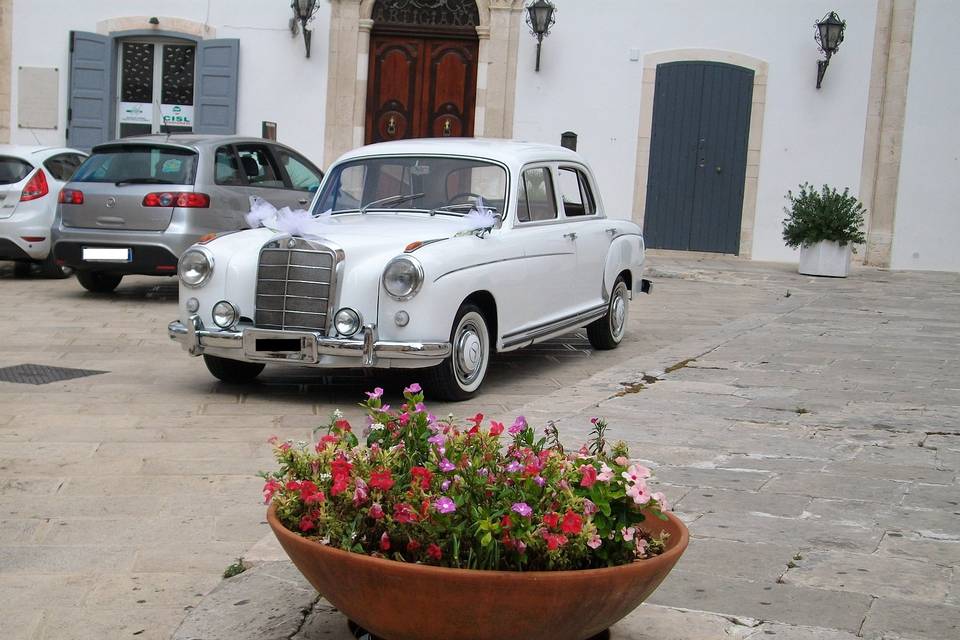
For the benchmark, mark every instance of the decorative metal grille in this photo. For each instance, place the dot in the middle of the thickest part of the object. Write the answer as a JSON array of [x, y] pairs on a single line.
[[177, 74], [42, 374], [295, 286], [137, 72], [427, 13]]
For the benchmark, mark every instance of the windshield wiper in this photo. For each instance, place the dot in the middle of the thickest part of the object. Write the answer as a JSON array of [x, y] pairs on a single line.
[[460, 205], [120, 183], [391, 200]]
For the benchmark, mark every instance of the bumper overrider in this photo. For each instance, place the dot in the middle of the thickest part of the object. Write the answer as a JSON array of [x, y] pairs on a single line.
[[298, 347]]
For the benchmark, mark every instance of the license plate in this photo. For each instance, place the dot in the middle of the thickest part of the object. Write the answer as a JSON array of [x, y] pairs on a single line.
[[290, 346], [107, 254]]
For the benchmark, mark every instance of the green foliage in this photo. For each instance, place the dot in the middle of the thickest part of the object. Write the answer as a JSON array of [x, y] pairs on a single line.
[[822, 215], [235, 569]]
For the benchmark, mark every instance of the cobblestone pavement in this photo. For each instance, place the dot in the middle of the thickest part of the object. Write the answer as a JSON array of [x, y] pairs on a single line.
[[124, 495], [812, 444]]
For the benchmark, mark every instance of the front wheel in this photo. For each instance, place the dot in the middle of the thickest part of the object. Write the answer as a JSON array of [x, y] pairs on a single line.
[[232, 371], [461, 374], [99, 281], [607, 332]]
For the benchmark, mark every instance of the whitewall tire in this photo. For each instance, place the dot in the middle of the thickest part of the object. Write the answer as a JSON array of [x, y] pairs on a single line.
[[462, 373]]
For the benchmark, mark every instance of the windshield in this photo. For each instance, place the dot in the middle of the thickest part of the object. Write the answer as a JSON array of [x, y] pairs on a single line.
[[450, 186], [139, 164]]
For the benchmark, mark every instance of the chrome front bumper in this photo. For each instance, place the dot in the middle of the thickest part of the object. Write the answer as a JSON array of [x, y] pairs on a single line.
[[252, 344]]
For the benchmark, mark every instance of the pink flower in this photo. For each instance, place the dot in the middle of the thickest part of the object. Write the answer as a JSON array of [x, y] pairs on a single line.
[[376, 393], [594, 542], [522, 508], [445, 505], [306, 524], [376, 511], [384, 542], [446, 466], [606, 473], [404, 513], [635, 473], [420, 407], [414, 388], [627, 533], [662, 499], [639, 492], [496, 428], [588, 475], [518, 425], [641, 546], [360, 492], [269, 488], [589, 508]]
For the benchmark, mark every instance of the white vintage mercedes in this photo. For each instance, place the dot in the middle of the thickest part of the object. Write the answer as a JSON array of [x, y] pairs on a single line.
[[425, 254]]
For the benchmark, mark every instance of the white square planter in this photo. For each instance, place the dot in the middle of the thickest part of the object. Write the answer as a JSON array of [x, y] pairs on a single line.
[[825, 258]]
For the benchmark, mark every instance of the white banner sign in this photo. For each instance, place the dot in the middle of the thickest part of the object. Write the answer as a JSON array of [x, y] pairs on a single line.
[[136, 113], [177, 115]]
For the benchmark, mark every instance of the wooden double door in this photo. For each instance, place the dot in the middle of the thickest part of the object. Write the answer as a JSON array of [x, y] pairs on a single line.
[[420, 87]]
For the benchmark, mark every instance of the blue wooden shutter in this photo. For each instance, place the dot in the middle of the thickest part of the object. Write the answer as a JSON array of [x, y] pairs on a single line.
[[216, 92], [88, 118]]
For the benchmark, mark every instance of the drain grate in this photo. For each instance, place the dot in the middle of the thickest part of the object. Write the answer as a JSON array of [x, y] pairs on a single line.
[[42, 374]]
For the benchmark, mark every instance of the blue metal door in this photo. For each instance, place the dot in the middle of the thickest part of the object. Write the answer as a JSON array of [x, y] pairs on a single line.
[[698, 156]]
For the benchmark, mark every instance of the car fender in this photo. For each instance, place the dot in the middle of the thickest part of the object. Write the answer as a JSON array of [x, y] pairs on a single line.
[[626, 253]]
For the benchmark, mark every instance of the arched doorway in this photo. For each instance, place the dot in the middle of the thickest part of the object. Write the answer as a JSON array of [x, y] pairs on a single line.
[[422, 78]]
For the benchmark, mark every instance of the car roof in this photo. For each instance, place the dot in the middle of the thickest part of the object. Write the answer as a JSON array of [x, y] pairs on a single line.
[[34, 152], [513, 153], [195, 141]]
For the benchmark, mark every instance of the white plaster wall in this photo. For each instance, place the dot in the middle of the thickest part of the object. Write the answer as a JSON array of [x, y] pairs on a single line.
[[927, 222], [277, 81], [588, 84]]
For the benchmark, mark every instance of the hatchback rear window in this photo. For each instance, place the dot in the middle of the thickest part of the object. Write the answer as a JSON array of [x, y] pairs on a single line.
[[13, 170], [139, 164]]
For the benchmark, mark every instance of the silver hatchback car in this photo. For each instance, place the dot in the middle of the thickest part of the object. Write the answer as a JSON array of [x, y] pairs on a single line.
[[136, 204]]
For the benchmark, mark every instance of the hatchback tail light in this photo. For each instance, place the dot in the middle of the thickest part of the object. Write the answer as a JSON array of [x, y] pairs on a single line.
[[176, 199], [36, 188], [70, 196]]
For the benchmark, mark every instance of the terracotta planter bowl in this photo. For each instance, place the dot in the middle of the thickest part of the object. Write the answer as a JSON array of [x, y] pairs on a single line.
[[401, 601]]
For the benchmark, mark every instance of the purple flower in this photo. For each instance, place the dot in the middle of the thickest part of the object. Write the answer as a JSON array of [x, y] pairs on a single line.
[[420, 407], [445, 485], [444, 505], [414, 388], [446, 465], [518, 425], [540, 481], [376, 393], [522, 508], [437, 439], [514, 467]]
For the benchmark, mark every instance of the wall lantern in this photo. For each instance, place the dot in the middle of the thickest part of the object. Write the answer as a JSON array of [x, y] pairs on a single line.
[[540, 17], [303, 11], [829, 35]]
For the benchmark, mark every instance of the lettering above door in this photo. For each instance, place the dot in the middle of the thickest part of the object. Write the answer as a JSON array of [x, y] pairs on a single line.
[[420, 87]]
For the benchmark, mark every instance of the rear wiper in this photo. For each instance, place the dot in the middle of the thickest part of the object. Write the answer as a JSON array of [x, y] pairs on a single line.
[[120, 183], [397, 199]]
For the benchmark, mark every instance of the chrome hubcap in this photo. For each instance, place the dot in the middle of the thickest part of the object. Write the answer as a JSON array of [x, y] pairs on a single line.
[[618, 314], [469, 352]]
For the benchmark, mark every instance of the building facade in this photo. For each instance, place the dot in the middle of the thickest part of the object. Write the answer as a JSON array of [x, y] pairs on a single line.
[[697, 115]]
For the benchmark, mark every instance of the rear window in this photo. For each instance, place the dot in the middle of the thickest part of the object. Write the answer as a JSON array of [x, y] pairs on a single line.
[[13, 170], [143, 164]]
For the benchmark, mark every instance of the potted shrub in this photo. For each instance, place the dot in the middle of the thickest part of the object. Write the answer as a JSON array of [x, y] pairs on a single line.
[[436, 530], [825, 224]]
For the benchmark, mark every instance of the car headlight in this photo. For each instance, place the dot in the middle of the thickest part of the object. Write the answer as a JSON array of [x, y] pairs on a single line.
[[225, 314], [346, 321], [195, 266], [403, 277]]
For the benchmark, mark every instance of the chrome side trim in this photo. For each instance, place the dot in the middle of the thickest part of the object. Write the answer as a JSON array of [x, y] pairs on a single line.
[[483, 264], [522, 338]]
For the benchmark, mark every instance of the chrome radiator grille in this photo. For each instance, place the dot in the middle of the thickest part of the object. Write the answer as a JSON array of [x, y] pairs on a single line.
[[294, 286]]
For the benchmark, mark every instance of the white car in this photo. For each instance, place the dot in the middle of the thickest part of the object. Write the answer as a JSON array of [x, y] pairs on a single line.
[[30, 183], [424, 254]]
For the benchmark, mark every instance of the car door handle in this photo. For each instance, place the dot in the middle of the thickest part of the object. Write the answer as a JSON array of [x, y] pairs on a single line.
[[612, 231], [571, 235], [303, 200]]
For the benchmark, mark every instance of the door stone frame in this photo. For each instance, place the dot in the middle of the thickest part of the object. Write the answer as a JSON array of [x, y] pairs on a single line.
[[348, 66], [754, 137]]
